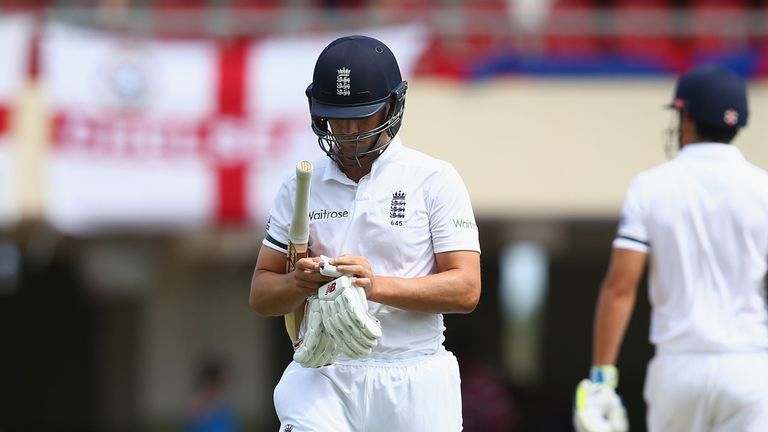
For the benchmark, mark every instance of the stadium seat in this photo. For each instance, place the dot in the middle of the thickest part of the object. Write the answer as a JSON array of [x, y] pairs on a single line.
[[442, 58], [718, 4], [256, 4], [718, 25], [582, 37], [406, 6], [645, 30], [24, 5], [178, 4], [340, 4]]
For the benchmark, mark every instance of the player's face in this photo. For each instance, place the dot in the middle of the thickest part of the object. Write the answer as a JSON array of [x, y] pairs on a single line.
[[352, 137]]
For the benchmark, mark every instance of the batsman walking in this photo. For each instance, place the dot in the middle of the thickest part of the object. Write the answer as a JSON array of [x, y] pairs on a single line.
[[701, 220], [399, 229]]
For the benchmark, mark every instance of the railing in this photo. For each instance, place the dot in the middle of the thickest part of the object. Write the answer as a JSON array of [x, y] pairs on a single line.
[[462, 32], [456, 20]]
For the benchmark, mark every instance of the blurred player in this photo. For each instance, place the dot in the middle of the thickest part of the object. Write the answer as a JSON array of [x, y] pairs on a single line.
[[702, 219], [210, 409], [402, 223]]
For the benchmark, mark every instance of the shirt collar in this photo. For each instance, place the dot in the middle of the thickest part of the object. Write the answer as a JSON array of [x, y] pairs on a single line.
[[707, 151], [333, 172], [390, 154]]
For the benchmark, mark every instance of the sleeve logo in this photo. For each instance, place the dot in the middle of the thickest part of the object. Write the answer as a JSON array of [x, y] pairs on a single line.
[[465, 224]]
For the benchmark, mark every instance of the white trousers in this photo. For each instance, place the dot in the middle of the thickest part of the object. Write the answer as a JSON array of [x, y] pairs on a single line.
[[416, 395], [707, 392]]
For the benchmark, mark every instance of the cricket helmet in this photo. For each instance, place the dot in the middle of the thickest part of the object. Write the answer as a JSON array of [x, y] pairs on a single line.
[[713, 96], [354, 78]]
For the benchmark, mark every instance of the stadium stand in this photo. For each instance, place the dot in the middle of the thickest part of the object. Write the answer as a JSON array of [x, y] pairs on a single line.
[[478, 38]]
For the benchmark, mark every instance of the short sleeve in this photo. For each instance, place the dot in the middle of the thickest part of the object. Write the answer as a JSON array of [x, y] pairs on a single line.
[[632, 233], [280, 218], [451, 219]]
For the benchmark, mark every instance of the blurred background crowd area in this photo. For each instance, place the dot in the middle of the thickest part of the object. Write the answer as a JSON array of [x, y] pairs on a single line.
[[142, 142], [473, 38]]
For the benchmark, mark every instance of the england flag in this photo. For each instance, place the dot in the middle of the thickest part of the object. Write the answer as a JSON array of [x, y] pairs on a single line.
[[173, 134]]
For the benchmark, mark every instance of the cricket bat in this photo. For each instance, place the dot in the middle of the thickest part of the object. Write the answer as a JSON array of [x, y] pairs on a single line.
[[298, 238]]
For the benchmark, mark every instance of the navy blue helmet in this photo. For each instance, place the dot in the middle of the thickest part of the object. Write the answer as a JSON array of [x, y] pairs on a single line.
[[713, 96], [355, 77]]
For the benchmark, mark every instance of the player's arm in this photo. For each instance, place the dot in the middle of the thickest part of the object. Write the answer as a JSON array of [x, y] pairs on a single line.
[[273, 292], [454, 288], [597, 406], [615, 303]]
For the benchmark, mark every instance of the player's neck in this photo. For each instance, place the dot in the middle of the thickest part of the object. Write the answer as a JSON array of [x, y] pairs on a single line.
[[356, 173], [687, 132]]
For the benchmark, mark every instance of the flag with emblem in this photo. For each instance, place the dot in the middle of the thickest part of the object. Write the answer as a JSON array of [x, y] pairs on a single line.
[[191, 133]]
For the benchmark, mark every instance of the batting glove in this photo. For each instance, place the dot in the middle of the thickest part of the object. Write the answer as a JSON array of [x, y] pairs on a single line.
[[328, 269], [346, 318], [597, 407], [316, 348]]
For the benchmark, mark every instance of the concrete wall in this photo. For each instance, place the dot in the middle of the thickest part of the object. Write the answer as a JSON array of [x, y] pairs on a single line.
[[550, 147]]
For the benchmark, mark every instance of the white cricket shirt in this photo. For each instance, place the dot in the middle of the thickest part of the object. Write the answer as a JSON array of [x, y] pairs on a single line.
[[408, 208], [703, 217]]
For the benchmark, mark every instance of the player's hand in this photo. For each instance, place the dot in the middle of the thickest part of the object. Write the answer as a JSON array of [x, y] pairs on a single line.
[[360, 268], [346, 318], [597, 407], [316, 348], [307, 275]]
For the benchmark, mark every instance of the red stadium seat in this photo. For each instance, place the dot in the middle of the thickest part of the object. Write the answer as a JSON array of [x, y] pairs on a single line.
[[24, 5], [256, 4], [442, 58], [718, 25], [497, 6], [718, 4], [484, 25], [340, 4], [645, 28], [582, 37], [179, 4], [406, 6], [414, 10]]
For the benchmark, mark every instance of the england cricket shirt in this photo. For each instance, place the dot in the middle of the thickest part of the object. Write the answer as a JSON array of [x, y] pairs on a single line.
[[408, 208], [703, 218]]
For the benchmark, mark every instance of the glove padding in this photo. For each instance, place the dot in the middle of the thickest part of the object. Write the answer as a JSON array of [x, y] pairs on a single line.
[[316, 348], [327, 269], [598, 408], [346, 318]]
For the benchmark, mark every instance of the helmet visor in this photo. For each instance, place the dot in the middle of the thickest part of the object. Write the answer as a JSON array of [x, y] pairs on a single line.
[[327, 111]]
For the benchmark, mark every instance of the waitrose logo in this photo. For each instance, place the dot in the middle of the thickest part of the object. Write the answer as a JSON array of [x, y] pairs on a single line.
[[465, 224], [327, 214]]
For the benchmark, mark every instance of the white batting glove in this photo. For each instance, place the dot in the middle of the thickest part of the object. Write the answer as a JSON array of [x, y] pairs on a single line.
[[597, 407], [328, 269], [346, 317], [316, 348]]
